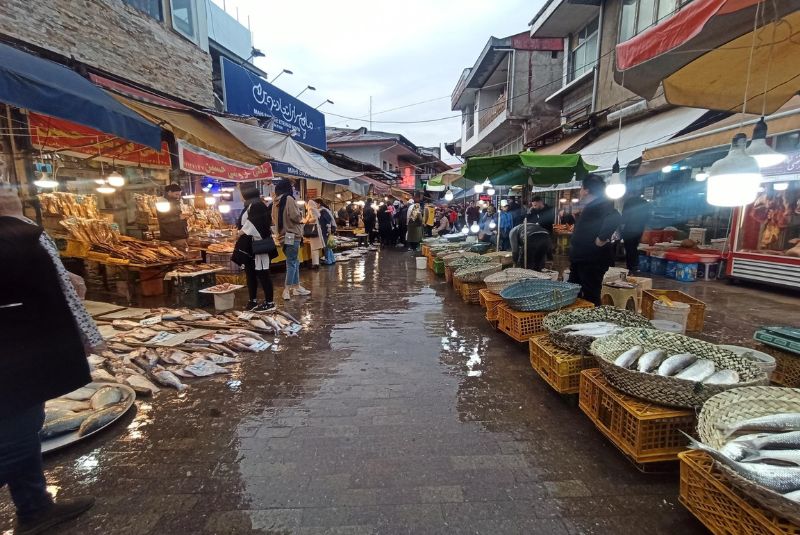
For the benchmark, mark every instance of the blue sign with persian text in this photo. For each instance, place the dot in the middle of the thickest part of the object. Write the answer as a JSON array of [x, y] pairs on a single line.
[[246, 93]]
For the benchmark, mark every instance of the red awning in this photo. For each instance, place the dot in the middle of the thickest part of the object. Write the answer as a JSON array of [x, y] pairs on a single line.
[[202, 162]]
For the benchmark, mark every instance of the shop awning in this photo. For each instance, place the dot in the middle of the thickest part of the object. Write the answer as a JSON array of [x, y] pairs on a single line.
[[34, 83], [378, 187], [719, 134], [195, 128], [526, 168], [634, 138], [199, 161], [282, 147], [564, 145]]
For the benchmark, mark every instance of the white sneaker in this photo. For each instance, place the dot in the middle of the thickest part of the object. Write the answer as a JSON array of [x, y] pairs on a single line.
[[301, 291], [287, 295]]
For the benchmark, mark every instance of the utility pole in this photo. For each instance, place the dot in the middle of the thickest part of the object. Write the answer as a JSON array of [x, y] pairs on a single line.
[[370, 112]]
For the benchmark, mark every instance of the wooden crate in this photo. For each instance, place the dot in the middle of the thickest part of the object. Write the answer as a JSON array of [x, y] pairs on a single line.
[[448, 274], [560, 369], [457, 284], [430, 262], [469, 292], [697, 308], [522, 325], [709, 497], [490, 301], [643, 431], [787, 370]]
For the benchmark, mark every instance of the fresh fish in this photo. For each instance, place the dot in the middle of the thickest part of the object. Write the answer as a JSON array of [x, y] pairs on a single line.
[[675, 364], [651, 360], [224, 349], [54, 413], [286, 315], [203, 368], [241, 347], [142, 362], [81, 394], [776, 441], [125, 325], [259, 324], [734, 451], [794, 495], [141, 385], [626, 359], [100, 419], [774, 423], [723, 377], [273, 324], [251, 334], [167, 378], [220, 359], [700, 370], [102, 376], [95, 361], [601, 331], [68, 404], [105, 396], [174, 356], [589, 325], [780, 479], [783, 457], [63, 425]]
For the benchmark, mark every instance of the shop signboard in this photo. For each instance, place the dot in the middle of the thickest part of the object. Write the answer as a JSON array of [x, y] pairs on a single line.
[[791, 166], [246, 93], [283, 168], [202, 162]]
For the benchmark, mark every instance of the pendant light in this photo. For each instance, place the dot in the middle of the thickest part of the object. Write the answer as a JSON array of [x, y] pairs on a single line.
[[479, 187], [448, 195], [491, 191], [780, 186], [492, 225], [765, 155], [475, 228], [210, 200], [224, 208], [465, 229], [45, 182], [105, 190], [702, 176], [734, 180], [163, 206], [115, 180], [615, 188]]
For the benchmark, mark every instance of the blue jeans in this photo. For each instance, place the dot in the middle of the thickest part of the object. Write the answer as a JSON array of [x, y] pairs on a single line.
[[292, 264], [21, 461], [329, 258]]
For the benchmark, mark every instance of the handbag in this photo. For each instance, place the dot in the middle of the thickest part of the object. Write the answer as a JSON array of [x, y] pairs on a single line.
[[243, 250], [310, 230]]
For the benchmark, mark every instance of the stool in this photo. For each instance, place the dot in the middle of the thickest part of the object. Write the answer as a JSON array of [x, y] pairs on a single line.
[[624, 298], [708, 270], [362, 239]]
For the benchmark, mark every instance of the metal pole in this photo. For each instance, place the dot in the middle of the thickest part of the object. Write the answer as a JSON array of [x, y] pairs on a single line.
[[525, 239]]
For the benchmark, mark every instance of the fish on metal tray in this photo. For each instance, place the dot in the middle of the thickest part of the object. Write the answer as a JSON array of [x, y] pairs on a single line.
[[699, 370], [675, 363], [774, 423], [203, 368], [101, 418], [54, 413], [167, 378], [770, 441], [105, 396], [626, 359], [67, 404], [141, 385], [723, 377], [651, 360], [65, 424], [81, 394]]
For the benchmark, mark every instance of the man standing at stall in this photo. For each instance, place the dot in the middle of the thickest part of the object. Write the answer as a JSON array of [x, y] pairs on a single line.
[[635, 215], [172, 223], [542, 214], [591, 252]]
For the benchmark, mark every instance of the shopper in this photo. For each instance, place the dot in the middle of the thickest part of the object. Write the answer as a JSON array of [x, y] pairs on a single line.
[[385, 225], [539, 245], [36, 293], [635, 216], [428, 217], [473, 213], [313, 233], [542, 214], [505, 226], [370, 219], [591, 252], [327, 225], [414, 233], [402, 224], [488, 225], [255, 221], [172, 224], [290, 236], [341, 216]]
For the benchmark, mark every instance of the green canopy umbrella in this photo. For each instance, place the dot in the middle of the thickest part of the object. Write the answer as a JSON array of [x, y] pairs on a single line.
[[446, 178], [527, 168]]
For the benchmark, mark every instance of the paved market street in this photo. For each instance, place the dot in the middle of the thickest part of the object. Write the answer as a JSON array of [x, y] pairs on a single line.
[[397, 410]]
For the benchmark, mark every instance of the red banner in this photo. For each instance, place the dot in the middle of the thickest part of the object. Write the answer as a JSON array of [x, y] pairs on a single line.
[[49, 133], [202, 162]]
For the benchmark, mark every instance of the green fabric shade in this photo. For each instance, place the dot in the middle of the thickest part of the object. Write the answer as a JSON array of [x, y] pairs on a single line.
[[527, 168]]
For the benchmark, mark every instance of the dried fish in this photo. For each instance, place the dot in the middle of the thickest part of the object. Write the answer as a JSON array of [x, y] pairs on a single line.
[[167, 378], [102, 376], [141, 385], [125, 325], [81, 394]]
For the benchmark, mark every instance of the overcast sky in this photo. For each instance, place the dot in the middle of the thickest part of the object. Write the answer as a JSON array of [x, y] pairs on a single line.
[[399, 53]]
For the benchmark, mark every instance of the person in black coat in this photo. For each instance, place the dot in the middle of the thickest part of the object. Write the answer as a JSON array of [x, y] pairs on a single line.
[[369, 221], [635, 215], [43, 356], [542, 214], [256, 268], [591, 252]]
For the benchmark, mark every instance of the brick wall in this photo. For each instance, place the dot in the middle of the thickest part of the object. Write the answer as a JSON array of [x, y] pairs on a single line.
[[114, 37]]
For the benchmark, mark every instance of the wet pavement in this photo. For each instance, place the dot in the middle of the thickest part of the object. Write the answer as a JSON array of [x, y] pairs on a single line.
[[397, 410]]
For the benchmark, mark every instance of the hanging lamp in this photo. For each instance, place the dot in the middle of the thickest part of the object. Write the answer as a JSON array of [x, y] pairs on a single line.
[[734, 180], [615, 188], [780, 186], [448, 195], [475, 228], [115, 180], [162, 206], [765, 155]]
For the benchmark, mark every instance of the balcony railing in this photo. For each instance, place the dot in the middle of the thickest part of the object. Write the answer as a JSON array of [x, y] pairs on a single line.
[[490, 114], [470, 131]]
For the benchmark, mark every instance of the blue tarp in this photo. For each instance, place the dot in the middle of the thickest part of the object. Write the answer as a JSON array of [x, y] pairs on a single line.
[[34, 83]]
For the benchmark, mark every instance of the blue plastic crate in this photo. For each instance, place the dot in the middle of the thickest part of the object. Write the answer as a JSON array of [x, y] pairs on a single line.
[[672, 267], [658, 266], [686, 272], [644, 263]]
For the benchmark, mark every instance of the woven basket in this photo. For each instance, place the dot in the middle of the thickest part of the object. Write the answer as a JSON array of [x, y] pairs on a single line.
[[500, 281], [455, 237], [741, 404], [504, 258], [463, 262], [533, 295], [670, 391], [450, 257], [581, 344], [480, 247], [477, 273]]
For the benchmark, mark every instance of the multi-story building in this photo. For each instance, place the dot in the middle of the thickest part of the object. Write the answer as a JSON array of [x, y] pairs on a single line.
[[501, 97]]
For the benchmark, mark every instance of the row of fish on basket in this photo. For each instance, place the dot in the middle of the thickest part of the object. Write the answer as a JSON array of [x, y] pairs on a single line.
[[680, 365]]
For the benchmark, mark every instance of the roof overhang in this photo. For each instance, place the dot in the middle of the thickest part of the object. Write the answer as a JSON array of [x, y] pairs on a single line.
[[559, 18], [493, 53]]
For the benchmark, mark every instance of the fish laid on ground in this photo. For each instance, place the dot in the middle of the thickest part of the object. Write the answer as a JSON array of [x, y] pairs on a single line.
[[167, 378], [794, 495], [81, 394], [781, 479], [102, 376], [219, 338], [251, 334], [629, 357], [774, 423], [142, 362], [273, 324], [203, 368], [125, 325], [141, 385], [699, 371], [63, 425], [779, 457], [650, 361], [675, 364], [174, 356], [68, 404], [219, 359], [772, 441], [54, 413], [723, 377], [259, 324], [105, 396], [100, 418]]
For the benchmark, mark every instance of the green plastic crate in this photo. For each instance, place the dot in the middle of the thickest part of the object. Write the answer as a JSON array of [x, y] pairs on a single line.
[[786, 338], [438, 267]]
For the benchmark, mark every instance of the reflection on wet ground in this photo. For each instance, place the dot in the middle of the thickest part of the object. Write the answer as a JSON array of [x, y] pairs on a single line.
[[397, 410]]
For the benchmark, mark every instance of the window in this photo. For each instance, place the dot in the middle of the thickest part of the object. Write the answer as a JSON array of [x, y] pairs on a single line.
[[638, 15], [385, 166], [184, 18], [149, 7], [583, 50]]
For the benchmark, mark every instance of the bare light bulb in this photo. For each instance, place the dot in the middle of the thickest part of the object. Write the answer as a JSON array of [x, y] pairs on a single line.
[[464, 230], [45, 182], [492, 225], [210, 200], [224, 208], [448, 195], [780, 186], [116, 180], [491, 191], [162, 206], [474, 228], [106, 190]]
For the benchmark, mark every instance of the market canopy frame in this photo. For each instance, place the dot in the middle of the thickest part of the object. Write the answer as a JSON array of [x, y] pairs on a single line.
[[527, 168]]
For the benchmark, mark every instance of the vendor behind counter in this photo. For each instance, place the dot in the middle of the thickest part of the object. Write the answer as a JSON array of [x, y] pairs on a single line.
[[172, 223]]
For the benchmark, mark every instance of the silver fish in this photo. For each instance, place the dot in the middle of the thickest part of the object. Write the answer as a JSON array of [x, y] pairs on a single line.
[[794, 495], [626, 359], [776, 441], [102, 376], [68, 404], [675, 364], [81, 394], [723, 377], [63, 425], [780, 479], [106, 396], [203, 368], [775, 423], [589, 325], [54, 413], [100, 419], [698, 371], [651, 360], [141, 385], [783, 457], [167, 378]]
